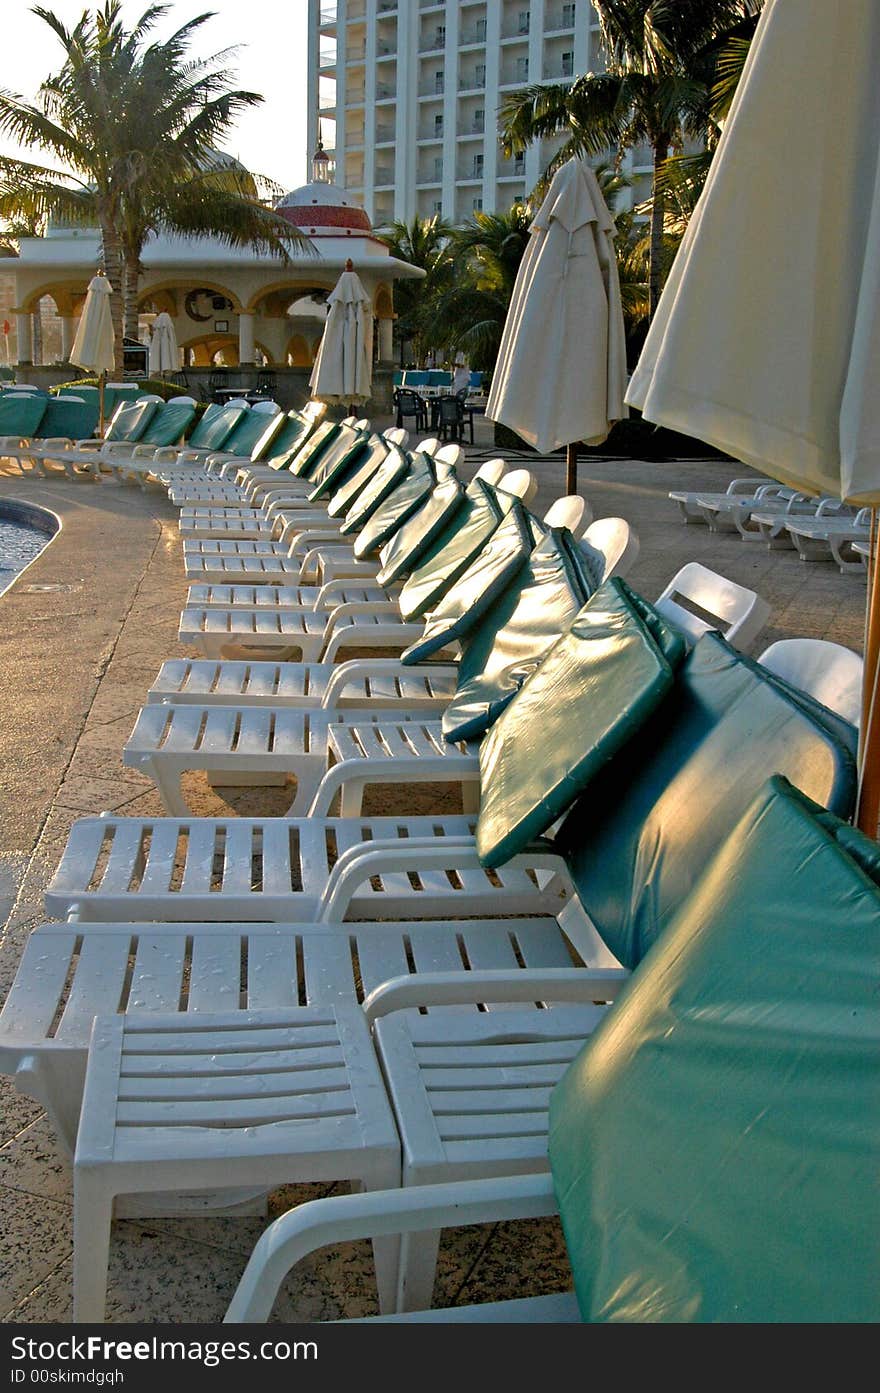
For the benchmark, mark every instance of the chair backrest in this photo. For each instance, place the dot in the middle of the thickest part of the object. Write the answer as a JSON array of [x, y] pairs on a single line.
[[70, 417], [429, 446], [571, 511], [438, 377], [521, 483], [314, 408], [827, 671], [492, 471], [217, 424], [697, 600], [266, 407], [396, 435], [251, 428], [397, 377], [450, 455], [407, 402], [613, 546], [169, 423], [131, 418], [449, 411]]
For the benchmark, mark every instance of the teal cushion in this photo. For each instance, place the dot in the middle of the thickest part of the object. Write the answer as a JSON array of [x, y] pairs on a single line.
[[251, 430], [714, 1146], [488, 576], [414, 536], [131, 419], [21, 414], [597, 685], [215, 427], [285, 440], [392, 471], [67, 417], [517, 631], [637, 840], [169, 424], [451, 551], [352, 484], [402, 503], [308, 457], [330, 473]]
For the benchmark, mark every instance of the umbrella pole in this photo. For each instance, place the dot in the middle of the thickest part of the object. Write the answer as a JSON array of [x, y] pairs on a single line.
[[571, 468], [868, 811], [101, 381]]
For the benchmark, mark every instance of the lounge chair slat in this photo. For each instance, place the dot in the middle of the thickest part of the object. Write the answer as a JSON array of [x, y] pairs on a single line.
[[215, 976], [157, 976]]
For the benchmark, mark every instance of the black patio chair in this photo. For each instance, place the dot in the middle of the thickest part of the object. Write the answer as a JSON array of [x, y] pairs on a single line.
[[410, 404], [449, 424], [267, 381], [467, 412]]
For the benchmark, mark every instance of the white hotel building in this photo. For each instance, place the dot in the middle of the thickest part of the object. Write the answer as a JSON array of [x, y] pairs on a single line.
[[405, 96]]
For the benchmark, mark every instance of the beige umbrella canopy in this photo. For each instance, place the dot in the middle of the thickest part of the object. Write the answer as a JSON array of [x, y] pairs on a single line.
[[561, 370], [766, 340], [343, 366], [93, 345], [163, 345]]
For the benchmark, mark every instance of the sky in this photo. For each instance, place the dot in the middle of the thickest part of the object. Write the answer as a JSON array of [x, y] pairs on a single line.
[[271, 37]]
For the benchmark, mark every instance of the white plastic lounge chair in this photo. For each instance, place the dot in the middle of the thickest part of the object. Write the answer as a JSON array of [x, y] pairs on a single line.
[[722, 513], [831, 539], [687, 498], [271, 742], [698, 599], [827, 671]]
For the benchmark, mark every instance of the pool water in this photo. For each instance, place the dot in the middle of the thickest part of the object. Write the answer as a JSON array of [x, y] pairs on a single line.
[[19, 544]]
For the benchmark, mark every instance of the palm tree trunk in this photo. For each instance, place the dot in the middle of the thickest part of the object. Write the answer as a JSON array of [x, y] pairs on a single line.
[[112, 256], [661, 151], [131, 276]]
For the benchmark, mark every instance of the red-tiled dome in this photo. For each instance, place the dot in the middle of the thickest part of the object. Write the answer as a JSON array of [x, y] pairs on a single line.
[[324, 210]]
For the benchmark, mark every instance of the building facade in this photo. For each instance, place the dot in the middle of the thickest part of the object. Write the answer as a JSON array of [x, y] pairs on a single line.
[[405, 96]]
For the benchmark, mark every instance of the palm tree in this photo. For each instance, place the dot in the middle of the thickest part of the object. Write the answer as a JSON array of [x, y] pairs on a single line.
[[422, 242], [656, 91], [134, 126], [483, 258]]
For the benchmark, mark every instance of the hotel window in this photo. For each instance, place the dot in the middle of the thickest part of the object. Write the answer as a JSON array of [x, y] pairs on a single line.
[[480, 31], [438, 83], [523, 24], [437, 205], [519, 164], [480, 75], [477, 205], [440, 36], [479, 123], [478, 166], [438, 125], [568, 65], [438, 167], [568, 16], [522, 69]]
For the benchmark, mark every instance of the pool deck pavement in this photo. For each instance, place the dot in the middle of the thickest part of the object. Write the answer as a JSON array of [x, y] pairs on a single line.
[[85, 629]]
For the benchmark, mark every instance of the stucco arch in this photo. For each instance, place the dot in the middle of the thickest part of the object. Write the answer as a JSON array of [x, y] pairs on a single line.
[[67, 297], [294, 289], [180, 285], [165, 299], [298, 352]]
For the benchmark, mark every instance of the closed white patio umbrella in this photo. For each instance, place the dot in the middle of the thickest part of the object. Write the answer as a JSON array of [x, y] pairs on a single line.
[[561, 370], [93, 346], [343, 366], [163, 345], [766, 340]]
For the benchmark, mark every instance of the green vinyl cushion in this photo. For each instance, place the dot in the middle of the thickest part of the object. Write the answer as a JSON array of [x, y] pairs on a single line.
[[215, 427], [131, 419], [452, 550], [414, 536], [284, 440], [479, 585], [516, 632], [333, 469], [21, 414], [639, 836], [273, 426], [67, 417], [714, 1146], [402, 506], [395, 467], [308, 457], [169, 423], [343, 491], [251, 429], [597, 685]]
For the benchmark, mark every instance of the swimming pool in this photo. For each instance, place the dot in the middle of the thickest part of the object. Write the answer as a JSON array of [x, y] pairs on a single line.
[[24, 531]]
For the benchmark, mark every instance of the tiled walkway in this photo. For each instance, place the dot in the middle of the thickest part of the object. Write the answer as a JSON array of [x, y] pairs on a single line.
[[76, 664]]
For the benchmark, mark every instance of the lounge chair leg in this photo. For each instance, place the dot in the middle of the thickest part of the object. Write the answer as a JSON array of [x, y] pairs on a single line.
[[418, 1267], [92, 1219]]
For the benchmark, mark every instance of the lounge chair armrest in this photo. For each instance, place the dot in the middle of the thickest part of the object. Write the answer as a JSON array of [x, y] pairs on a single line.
[[356, 669], [339, 616], [576, 984], [325, 597], [749, 485], [359, 863], [391, 635], [409, 1209]]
